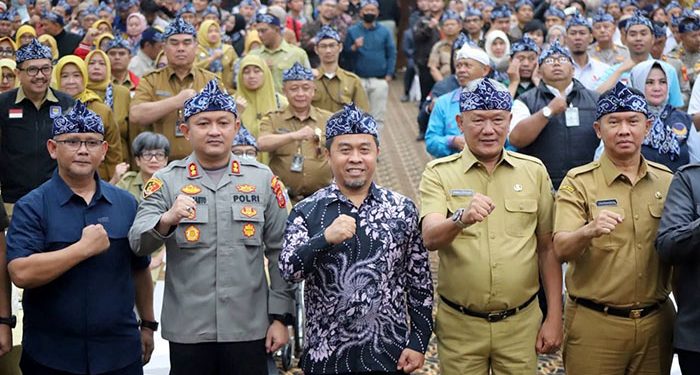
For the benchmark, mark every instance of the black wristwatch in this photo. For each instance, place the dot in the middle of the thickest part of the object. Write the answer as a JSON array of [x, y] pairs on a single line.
[[11, 321], [277, 317], [153, 326]]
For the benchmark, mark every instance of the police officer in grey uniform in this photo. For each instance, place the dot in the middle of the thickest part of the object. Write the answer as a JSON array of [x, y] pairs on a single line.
[[218, 216]]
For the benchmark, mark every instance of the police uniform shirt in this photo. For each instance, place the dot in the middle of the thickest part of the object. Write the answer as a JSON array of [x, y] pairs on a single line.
[[342, 88], [614, 55], [690, 61], [163, 84], [621, 268], [497, 258], [215, 286], [316, 172]]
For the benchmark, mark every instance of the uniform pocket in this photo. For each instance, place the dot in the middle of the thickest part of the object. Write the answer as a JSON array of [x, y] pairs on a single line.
[[248, 220], [520, 216], [614, 240], [656, 209]]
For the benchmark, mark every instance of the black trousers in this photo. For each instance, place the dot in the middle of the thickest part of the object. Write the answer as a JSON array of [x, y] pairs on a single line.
[[426, 82], [689, 361], [32, 367], [219, 358]]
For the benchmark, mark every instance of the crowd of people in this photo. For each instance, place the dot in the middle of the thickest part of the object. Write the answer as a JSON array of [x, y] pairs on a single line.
[[231, 148]]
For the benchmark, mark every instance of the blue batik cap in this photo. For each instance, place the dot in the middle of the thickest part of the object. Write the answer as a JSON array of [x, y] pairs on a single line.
[[627, 3], [501, 11], [638, 19], [450, 15], [525, 44], [118, 42], [5, 16], [672, 5], [688, 24], [351, 120], [297, 72], [555, 12], [103, 8], [90, 10], [33, 50], [601, 16], [472, 12], [577, 20], [126, 4], [244, 138], [248, 3], [327, 32], [488, 3], [52, 17], [210, 99], [179, 26], [210, 10], [268, 19], [659, 30], [621, 99], [521, 3], [365, 3], [79, 119], [63, 4], [485, 94], [554, 49], [187, 8]]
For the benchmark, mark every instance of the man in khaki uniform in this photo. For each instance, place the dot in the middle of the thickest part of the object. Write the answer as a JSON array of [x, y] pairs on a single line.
[[440, 58], [488, 212], [688, 50], [607, 214], [293, 137], [277, 53], [161, 95], [605, 49], [335, 87]]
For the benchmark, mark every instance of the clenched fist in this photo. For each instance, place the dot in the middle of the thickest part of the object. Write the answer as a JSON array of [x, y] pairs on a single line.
[[341, 229], [95, 239], [182, 208], [604, 223], [479, 208]]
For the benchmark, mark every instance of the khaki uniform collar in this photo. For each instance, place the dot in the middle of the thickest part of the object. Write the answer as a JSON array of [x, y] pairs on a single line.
[[287, 114], [50, 96], [611, 173], [470, 160]]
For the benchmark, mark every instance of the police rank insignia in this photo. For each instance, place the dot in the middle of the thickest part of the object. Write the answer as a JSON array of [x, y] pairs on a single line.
[[245, 188], [191, 189], [248, 211], [55, 111], [278, 189], [192, 234], [235, 167], [249, 230], [192, 170], [153, 185]]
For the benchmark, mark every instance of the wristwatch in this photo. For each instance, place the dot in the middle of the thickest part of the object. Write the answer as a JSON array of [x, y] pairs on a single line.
[[457, 218], [153, 326], [547, 112], [11, 321], [280, 318]]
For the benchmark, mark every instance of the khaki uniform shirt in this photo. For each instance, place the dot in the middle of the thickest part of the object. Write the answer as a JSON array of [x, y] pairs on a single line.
[[440, 57], [491, 265], [227, 61], [344, 88], [163, 84], [612, 56], [133, 183], [316, 172], [683, 77], [114, 152], [621, 268], [691, 62], [282, 59], [120, 111], [215, 287]]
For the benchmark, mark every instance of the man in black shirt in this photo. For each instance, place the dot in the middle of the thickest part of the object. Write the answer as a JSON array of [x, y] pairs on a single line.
[[66, 41]]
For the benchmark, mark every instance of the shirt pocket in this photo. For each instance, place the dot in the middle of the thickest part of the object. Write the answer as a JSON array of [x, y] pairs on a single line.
[[520, 216], [454, 203], [248, 221], [616, 239]]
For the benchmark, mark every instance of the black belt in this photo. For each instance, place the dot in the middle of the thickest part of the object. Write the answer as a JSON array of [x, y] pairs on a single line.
[[631, 313], [492, 317]]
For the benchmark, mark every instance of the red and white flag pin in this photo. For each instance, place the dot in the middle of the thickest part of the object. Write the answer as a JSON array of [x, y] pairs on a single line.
[[15, 113]]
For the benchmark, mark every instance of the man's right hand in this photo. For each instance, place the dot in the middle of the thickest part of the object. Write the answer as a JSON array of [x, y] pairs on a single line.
[[604, 223], [478, 210], [341, 229], [181, 209], [304, 134], [359, 42], [95, 239], [514, 70], [186, 94], [557, 105]]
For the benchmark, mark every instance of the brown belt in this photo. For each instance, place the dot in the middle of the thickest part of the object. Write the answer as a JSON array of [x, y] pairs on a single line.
[[491, 317], [631, 313]]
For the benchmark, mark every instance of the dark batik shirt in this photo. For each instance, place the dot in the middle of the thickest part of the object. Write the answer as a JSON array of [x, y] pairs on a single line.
[[361, 295]]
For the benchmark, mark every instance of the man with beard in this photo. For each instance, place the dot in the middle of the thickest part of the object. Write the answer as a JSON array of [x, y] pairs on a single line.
[[523, 62], [604, 49], [578, 37], [357, 246]]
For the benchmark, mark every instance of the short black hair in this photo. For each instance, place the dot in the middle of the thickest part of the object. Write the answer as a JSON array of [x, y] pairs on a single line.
[[150, 141], [535, 25]]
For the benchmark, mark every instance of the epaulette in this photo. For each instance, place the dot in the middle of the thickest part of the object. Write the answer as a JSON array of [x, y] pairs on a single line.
[[659, 166], [254, 163], [689, 166], [445, 159], [528, 158], [152, 72], [584, 168]]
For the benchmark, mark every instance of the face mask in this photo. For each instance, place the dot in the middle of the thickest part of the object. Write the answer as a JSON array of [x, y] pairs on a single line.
[[369, 18]]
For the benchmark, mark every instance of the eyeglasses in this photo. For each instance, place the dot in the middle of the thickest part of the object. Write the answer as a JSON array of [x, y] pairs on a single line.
[[9, 77], [75, 144], [33, 70], [159, 156], [560, 60], [248, 154], [7, 52]]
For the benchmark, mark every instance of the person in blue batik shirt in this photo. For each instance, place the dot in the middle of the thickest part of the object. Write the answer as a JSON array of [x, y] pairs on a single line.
[[358, 248]]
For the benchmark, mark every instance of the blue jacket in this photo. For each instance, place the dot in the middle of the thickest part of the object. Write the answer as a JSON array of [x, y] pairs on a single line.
[[377, 56]]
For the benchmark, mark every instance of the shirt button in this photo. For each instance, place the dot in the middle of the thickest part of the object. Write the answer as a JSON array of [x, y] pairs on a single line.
[[492, 236], [493, 265], [639, 275], [636, 217], [639, 246]]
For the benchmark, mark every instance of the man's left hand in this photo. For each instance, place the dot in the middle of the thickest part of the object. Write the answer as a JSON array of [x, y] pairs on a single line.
[[549, 337], [146, 345], [410, 361], [277, 336]]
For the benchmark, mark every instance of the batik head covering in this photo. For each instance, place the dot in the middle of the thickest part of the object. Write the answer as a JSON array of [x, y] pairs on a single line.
[[244, 138], [187, 8], [211, 98], [601, 16], [525, 44], [629, 3], [689, 24], [460, 41], [472, 12], [33, 51], [554, 49], [179, 26], [672, 5], [297, 72], [555, 12], [501, 11], [126, 4], [78, 120], [638, 19], [621, 99], [659, 30], [365, 3], [118, 42], [327, 32], [450, 15], [350, 120], [485, 94], [521, 3], [268, 19], [577, 20]]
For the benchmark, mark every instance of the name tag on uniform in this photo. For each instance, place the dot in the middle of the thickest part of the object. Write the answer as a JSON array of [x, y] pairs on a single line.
[[462, 192], [163, 93], [282, 131], [606, 203], [571, 115]]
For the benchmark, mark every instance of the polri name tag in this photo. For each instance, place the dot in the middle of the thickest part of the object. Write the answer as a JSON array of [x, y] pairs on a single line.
[[606, 203]]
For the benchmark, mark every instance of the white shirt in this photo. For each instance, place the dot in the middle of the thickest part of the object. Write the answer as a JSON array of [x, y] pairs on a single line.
[[694, 104], [520, 111], [590, 74]]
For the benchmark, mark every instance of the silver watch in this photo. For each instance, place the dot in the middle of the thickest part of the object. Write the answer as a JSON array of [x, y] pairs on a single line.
[[547, 112], [457, 218]]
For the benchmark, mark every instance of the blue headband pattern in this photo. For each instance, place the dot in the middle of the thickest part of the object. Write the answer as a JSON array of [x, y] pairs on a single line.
[[554, 49], [118, 42], [327, 32], [350, 120], [211, 98], [555, 12], [638, 19], [34, 50], [365, 3], [244, 138], [501, 11], [179, 26], [268, 19], [485, 94], [522, 3], [602, 16], [621, 99], [472, 12], [78, 120], [525, 44], [577, 20], [297, 72]]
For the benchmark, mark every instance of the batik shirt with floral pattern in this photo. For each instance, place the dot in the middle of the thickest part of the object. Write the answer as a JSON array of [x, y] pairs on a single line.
[[367, 298]]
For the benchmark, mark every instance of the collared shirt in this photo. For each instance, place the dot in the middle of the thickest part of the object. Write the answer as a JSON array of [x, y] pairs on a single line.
[[141, 64], [442, 125], [83, 321], [360, 293], [441, 57], [589, 74], [131, 81], [281, 59], [342, 88], [614, 55], [492, 265], [133, 183], [315, 173], [49, 96], [691, 61], [163, 84], [621, 268]]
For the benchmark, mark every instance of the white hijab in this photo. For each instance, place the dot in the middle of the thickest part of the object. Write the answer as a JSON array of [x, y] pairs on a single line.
[[499, 63]]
